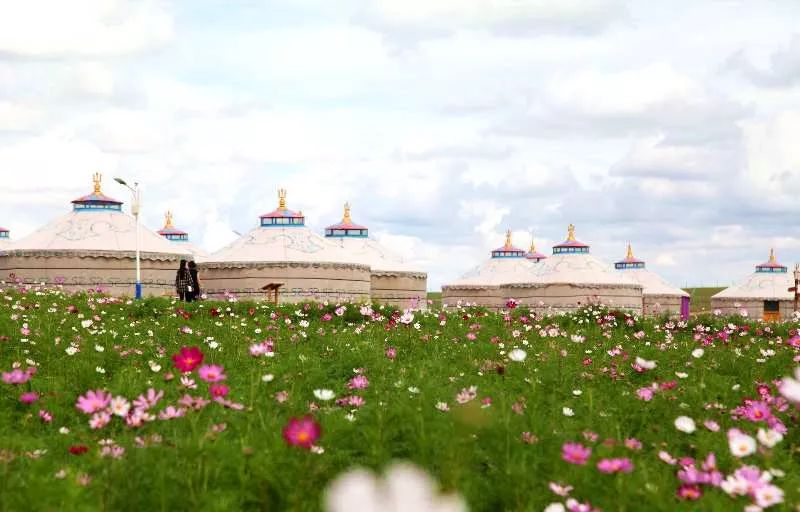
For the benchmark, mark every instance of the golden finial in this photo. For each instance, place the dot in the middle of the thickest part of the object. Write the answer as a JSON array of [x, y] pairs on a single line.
[[772, 256], [281, 198], [97, 178], [346, 219], [533, 244], [168, 220], [571, 233], [630, 252], [508, 239]]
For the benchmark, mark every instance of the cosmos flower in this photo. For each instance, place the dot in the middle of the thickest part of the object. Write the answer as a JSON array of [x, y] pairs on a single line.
[[187, 359], [620, 465], [517, 355], [685, 424], [93, 401], [302, 432], [575, 453], [212, 373]]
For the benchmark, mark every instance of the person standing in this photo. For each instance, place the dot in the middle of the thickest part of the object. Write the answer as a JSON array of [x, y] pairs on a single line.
[[195, 280], [183, 282]]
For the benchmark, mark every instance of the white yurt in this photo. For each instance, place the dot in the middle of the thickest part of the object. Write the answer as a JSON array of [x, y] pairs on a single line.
[[572, 278], [93, 247], [281, 259], [181, 238], [659, 297], [393, 281], [5, 238], [481, 285], [763, 294]]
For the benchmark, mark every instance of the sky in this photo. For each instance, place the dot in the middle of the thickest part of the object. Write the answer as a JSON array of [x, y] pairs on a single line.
[[674, 126]]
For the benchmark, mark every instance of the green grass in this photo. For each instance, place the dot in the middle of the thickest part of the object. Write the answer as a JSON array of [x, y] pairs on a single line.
[[701, 298], [476, 451]]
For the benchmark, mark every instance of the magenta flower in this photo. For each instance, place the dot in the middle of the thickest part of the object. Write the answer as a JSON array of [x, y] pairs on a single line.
[[689, 492], [391, 353], [187, 359], [622, 465], [212, 373], [16, 377], [93, 401], [218, 390], [28, 397], [302, 432], [645, 394], [45, 416], [575, 453], [757, 411]]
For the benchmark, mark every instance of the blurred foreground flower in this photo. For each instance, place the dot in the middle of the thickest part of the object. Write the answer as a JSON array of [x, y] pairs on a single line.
[[403, 488]]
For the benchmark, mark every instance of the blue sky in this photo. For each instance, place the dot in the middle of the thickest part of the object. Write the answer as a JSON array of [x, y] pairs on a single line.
[[670, 125]]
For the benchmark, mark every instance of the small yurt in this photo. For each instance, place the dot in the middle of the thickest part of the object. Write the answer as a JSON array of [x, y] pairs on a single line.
[[94, 247], [393, 281], [659, 297], [481, 285], [572, 278], [180, 238], [282, 259], [763, 294], [5, 238]]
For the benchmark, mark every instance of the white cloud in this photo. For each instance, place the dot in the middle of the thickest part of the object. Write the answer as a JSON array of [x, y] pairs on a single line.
[[95, 28]]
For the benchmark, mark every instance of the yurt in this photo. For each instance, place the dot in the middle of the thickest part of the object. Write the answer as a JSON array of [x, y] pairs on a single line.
[[283, 260], [659, 297], [392, 281], [572, 278], [763, 294], [481, 285], [180, 238], [5, 238], [94, 247]]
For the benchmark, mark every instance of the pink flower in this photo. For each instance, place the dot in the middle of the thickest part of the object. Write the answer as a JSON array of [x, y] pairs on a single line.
[[575, 453], [358, 382], [467, 395], [218, 390], [560, 489], [757, 411], [93, 401], [148, 400], [187, 359], [16, 377], [391, 353], [212, 373], [622, 465], [711, 425], [689, 492], [633, 444], [281, 396], [99, 420], [302, 432], [28, 397], [45, 416], [645, 394], [171, 412]]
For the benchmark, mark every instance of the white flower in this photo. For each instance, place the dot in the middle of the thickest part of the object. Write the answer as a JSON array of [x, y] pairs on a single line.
[[120, 406], [517, 355], [99, 348], [681, 375], [324, 394], [644, 363], [71, 350], [769, 437], [268, 377], [86, 323], [566, 411], [442, 406], [698, 353], [154, 367], [407, 317], [577, 392], [350, 417], [555, 507], [403, 487], [63, 430], [100, 369], [685, 424], [742, 445]]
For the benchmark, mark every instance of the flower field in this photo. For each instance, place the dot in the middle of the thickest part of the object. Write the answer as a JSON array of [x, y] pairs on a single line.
[[157, 405]]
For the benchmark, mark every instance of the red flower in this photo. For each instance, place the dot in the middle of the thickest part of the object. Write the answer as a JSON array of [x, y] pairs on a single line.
[[78, 449], [188, 359], [214, 312], [302, 432]]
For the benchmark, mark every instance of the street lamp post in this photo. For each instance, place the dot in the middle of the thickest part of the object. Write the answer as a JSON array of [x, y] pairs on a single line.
[[796, 285], [135, 205]]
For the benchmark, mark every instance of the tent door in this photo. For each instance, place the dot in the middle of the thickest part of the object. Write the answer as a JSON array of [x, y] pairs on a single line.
[[772, 311]]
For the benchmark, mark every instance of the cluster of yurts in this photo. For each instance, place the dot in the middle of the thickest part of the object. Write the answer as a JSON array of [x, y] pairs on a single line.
[[93, 246]]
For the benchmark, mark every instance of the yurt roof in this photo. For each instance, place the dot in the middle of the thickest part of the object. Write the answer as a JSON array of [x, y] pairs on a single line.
[[276, 240], [180, 238], [770, 281], [508, 264], [533, 254], [358, 247], [652, 283], [96, 223]]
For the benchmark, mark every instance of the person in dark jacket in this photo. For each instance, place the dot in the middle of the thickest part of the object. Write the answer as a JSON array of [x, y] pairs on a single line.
[[195, 280], [183, 282]]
